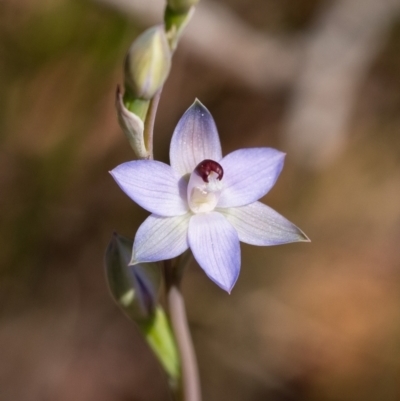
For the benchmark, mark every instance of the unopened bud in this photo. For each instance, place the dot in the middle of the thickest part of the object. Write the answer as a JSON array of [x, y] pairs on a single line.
[[181, 5], [147, 63], [134, 288], [175, 23]]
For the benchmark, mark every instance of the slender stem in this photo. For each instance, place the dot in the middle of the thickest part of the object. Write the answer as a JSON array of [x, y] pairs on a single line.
[[190, 375], [149, 123]]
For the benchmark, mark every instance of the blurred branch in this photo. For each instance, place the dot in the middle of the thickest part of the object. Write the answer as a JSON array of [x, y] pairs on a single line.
[[338, 54], [218, 37]]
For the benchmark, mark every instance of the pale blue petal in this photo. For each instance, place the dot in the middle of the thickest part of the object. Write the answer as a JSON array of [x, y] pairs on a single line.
[[153, 185], [249, 174], [160, 238], [195, 139], [258, 224], [215, 246]]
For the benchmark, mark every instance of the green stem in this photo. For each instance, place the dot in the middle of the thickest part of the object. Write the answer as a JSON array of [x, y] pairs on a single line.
[[149, 123], [190, 381]]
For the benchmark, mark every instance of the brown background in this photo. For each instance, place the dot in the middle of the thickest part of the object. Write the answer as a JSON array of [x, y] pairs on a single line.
[[318, 321]]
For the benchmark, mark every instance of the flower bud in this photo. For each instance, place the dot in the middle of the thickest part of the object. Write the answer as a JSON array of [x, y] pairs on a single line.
[[132, 123], [181, 5], [175, 23], [147, 63], [134, 288]]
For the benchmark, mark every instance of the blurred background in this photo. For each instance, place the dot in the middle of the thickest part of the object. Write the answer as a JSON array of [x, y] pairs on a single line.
[[317, 79]]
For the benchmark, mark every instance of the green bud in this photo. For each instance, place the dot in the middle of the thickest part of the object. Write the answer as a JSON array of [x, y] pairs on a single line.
[[134, 288], [175, 23], [181, 5], [147, 63], [131, 120]]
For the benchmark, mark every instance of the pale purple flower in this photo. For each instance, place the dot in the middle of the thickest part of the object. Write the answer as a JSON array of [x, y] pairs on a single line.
[[205, 201]]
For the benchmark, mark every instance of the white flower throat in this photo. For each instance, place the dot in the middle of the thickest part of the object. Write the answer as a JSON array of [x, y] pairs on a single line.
[[204, 188]]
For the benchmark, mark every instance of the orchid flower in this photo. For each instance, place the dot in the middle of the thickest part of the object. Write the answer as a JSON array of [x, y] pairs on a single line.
[[204, 201]]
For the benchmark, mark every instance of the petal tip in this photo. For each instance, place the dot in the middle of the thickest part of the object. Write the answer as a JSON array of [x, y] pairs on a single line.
[[133, 261], [301, 236], [304, 237], [113, 172], [227, 288], [199, 107], [197, 103], [226, 285]]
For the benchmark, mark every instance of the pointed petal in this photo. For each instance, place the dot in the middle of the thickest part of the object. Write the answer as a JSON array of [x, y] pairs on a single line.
[[215, 246], [258, 224], [160, 238], [153, 185], [249, 174], [195, 139]]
